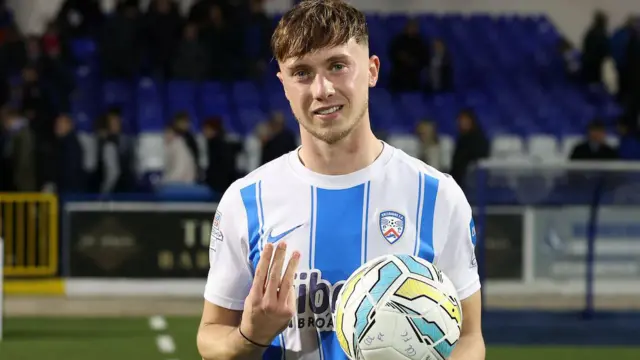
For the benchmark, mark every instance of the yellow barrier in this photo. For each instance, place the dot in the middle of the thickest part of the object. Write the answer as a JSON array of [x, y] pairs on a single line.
[[29, 226]]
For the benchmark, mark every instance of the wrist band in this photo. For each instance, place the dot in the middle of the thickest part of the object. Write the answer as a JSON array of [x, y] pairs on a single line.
[[251, 341]]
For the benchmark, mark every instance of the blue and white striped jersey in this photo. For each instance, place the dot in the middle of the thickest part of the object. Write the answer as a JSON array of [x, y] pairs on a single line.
[[396, 205]]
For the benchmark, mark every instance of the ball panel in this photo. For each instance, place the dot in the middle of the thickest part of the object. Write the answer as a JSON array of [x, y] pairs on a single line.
[[381, 332], [383, 354], [415, 267]]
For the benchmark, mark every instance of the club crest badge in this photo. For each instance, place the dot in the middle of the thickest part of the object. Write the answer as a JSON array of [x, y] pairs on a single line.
[[391, 225]]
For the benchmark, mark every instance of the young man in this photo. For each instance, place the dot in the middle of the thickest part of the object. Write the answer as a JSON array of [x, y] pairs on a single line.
[[316, 214]]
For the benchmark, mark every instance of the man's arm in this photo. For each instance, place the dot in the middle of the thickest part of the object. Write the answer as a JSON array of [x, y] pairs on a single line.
[[218, 336], [471, 344]]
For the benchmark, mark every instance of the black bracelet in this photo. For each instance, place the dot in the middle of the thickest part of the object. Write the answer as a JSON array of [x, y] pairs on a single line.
[[251, 341]]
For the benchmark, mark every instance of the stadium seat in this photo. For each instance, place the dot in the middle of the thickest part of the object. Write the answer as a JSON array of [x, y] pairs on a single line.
[[181, 96], [544, 147], [447, 147], [150, 109], [150, 152], [505, 146], [405, 142]]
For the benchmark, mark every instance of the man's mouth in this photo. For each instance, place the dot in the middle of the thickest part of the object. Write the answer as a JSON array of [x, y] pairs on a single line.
[[328, 110]]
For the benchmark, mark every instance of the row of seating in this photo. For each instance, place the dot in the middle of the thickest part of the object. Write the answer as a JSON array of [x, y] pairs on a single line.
[[540, 147], [148, 105]]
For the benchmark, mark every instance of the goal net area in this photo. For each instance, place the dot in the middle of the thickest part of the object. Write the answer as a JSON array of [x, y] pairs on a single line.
[[558, 236]]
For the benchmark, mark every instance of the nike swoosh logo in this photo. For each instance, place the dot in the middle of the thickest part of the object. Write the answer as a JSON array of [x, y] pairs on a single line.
[[273, 239]]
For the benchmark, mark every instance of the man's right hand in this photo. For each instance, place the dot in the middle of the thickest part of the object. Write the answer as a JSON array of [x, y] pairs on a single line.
[[271, 302]]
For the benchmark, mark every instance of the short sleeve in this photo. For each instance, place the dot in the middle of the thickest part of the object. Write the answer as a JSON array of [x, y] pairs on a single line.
[[230, 274], [457, 258]]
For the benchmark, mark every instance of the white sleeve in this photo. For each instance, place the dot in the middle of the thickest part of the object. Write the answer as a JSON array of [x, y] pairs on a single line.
[[457, 259], [230, 273]]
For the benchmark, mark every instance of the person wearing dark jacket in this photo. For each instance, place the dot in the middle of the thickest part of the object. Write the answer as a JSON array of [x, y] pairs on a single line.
[[182, 126], [68, 175], [115, 164], [595, 146], [471, 146], [595, 49], [221, 170], [281, 140]]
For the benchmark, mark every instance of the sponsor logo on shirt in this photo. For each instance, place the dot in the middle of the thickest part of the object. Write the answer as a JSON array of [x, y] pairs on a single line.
[[216, 233], [316, 301]]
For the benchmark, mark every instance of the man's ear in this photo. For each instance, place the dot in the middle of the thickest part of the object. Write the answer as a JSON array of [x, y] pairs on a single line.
[[281, 78], [374, 70]]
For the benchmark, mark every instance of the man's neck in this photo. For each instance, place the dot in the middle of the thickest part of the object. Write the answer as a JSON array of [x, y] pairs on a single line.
[[353, 153]]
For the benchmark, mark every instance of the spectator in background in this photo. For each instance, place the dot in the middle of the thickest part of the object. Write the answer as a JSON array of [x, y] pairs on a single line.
[[13, 52], [281, 140], [409, 55], [259, 37], [115, 164], [79, 18], [254, 145], [33, 50], [191, 60], [163, 28], [619, 49], [629, 147], [182, 126], [472, 145], [121, 43], [68, 173], [429, 146], [631, 97], [221, 170], [595, 49], [440, 68], [59, 77], [216, 37], [37, 103], [21, 152], [179, 163], [595, 146], [570, 59]]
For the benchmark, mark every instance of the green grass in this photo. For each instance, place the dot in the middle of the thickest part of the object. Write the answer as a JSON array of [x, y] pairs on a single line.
[[131, 338]]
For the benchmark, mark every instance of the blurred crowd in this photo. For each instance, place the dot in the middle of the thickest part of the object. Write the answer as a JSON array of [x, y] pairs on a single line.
[[41, 150]]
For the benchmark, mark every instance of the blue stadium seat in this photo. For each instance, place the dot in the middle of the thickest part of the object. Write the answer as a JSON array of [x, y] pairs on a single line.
[[246, 94], [84, 50], [84, 101], [181, 96], [120, 94], [150, 112]]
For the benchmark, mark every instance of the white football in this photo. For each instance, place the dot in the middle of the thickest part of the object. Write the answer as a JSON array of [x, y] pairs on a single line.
[[398, 307]]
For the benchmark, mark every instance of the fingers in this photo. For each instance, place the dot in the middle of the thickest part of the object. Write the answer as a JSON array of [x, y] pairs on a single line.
[[262, 270], [275, 274], [287, 278]]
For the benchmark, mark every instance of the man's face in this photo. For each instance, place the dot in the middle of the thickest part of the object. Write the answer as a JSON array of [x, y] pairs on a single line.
[[328, 90], [597, 135]]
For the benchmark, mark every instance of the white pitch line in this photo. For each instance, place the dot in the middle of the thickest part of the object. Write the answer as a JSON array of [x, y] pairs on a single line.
[[157, 323], [165, 344]]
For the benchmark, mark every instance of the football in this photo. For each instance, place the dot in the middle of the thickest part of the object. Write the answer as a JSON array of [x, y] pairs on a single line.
[[398, 307]]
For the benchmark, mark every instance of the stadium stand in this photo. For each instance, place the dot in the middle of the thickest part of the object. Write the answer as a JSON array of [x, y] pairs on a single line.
[[515, 83]]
